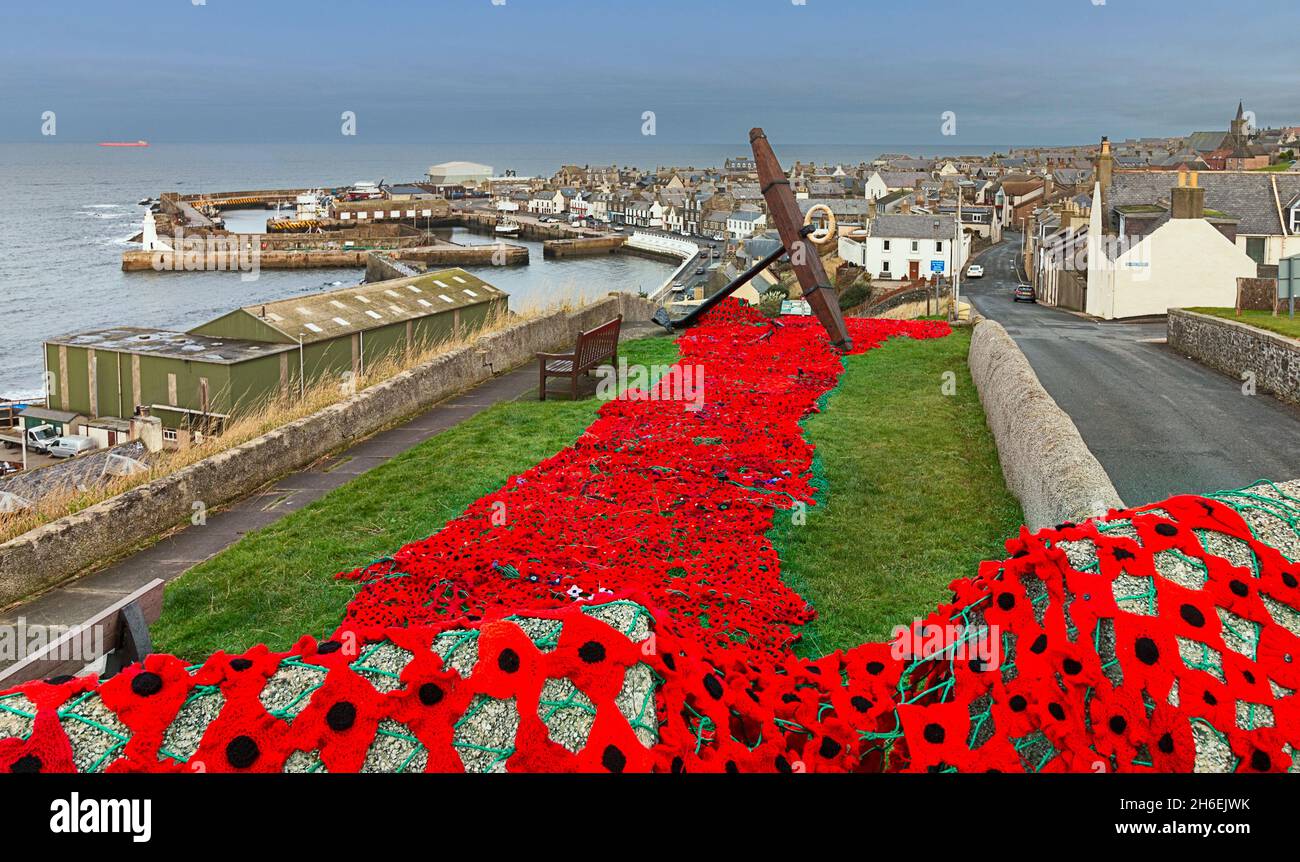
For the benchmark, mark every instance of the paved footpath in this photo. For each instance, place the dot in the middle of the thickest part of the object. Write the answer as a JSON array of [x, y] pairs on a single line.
[[77, 601]]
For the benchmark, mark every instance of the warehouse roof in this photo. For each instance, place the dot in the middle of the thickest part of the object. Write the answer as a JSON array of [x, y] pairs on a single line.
[[169, 344], [322, 316]]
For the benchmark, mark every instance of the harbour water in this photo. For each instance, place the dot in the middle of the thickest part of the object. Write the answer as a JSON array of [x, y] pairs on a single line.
[[70, 210]]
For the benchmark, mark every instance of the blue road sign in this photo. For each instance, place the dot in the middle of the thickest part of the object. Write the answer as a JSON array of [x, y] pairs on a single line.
[[936, 266]]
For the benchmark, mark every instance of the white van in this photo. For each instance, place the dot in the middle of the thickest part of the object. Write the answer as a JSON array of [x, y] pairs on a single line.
[[71, 447]]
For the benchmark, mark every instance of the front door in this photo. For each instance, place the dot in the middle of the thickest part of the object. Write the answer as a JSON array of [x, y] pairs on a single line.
[[914, 270]]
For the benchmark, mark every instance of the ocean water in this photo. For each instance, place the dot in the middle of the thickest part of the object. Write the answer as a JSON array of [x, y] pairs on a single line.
[[70, 209]]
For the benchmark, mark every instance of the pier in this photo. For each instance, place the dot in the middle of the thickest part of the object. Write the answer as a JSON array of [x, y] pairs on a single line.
[[558, 248]]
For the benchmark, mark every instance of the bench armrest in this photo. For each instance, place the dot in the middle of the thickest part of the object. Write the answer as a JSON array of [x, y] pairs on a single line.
[[556, 356]]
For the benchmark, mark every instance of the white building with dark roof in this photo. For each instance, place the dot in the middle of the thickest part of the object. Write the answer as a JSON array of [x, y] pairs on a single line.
[[906, 246]]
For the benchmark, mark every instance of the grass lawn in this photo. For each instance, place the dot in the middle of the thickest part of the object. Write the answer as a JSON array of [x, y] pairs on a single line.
[[915, 494], [1263, 319], [916, 499], [275, 584]]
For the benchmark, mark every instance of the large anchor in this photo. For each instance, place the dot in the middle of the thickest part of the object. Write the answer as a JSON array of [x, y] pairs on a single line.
[[797, 239]]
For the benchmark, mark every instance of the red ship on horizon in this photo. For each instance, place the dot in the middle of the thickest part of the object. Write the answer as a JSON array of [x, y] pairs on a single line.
[[124, 143]]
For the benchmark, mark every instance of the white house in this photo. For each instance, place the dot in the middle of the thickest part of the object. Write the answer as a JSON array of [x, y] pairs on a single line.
[[579, 206], [881, 183], [743, 224], [1186, 261], [1264, 205], [674, 219], [548, 201], [908, 247]]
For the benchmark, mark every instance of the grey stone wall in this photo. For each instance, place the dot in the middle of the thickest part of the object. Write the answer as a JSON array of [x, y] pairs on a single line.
[[72, 545], [1045, 462], [1236, 348]]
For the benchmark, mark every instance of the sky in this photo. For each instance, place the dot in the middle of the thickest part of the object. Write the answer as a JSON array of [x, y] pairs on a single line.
[[809, 71]]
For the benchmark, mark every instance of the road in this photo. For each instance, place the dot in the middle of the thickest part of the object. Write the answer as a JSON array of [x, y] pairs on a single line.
[[1159, 423]]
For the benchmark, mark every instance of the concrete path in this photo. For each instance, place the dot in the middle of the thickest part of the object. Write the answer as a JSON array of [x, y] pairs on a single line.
[[77, 601], [1158, 422]]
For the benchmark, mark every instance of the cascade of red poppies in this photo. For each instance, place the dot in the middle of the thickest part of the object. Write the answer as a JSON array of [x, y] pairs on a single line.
[[1092, 657]]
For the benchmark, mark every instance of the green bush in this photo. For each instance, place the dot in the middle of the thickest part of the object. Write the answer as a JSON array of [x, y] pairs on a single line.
[[854, 296]]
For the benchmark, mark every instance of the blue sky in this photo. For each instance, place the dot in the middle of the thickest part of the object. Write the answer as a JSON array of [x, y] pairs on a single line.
[[827, 71]]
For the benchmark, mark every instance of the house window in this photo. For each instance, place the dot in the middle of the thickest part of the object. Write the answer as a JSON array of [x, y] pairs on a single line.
[[1295, 220], [938, 245], [884, 267], [886, 249], [169, 435], [1256, 248], [916, 245]]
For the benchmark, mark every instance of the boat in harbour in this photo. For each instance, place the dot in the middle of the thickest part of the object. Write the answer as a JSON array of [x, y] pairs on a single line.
[[506, 226]]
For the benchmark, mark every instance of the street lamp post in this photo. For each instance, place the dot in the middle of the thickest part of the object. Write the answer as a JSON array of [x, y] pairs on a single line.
[[302, 380], [956, 258]]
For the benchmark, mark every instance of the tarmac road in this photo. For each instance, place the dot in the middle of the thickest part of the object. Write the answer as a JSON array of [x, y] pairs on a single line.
[[1159, 423]]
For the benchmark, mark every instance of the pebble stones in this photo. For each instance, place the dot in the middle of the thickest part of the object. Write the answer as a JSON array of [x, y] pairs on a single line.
[[94, 732], [186, 730], [485, 735]]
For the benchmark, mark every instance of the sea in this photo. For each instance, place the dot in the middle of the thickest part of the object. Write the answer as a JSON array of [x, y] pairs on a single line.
[[70, 209]]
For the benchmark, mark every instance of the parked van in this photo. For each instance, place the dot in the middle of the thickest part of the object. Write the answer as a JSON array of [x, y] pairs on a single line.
[[71, 447]]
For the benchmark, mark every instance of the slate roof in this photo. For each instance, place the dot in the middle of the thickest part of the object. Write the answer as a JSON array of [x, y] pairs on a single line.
[[912, 226], [902, 179], [1246, 195], [1206, 142]]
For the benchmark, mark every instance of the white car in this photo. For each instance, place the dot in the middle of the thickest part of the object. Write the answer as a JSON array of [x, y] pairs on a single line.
[[975, 271]]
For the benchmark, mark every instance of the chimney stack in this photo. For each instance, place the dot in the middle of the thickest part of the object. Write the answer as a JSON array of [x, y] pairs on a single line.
[[1187, 199], [1105, 172]]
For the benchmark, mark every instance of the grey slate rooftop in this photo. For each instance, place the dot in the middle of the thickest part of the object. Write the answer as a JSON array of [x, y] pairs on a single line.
[[912, 226], [1244, 195]]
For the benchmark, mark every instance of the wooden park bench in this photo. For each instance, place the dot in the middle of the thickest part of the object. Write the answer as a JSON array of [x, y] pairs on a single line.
[[594, 348], [121, 629]]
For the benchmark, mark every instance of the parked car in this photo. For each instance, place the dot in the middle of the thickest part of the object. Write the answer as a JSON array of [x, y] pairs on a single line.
[[71, 446], [975, 271], [717, 237], [1024, 292], [547, 220], [699, 270]]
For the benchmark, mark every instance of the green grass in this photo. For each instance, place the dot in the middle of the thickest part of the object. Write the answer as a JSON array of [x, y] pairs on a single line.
[[915, 495], [916, 499], [275, 584], [1280, 323], [1280, 166]]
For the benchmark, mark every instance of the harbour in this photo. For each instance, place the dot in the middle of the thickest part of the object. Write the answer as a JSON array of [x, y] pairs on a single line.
[[63, 260]]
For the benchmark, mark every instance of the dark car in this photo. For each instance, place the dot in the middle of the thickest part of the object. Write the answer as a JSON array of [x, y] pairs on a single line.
[[1024, 292]]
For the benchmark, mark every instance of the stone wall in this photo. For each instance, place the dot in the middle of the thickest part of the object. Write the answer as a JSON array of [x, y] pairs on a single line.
[[1236, 348], [77, 543], [1045, 462]]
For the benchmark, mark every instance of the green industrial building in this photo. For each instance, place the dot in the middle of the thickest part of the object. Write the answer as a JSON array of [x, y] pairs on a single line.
[[197, 380]]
